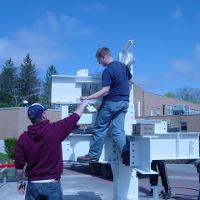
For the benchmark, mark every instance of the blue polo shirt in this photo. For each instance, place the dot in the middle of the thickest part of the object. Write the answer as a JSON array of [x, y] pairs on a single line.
[[117, 76]]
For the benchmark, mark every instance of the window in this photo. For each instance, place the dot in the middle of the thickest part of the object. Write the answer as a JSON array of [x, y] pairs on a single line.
[[193, 112], [169, 110], [158, 112], [183, 126], [163, 109]]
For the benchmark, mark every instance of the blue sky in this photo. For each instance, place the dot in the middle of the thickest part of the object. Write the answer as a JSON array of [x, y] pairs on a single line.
[[67, 33]]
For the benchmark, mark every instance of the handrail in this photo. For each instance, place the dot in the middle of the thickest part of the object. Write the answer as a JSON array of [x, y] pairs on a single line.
[[7, 166]]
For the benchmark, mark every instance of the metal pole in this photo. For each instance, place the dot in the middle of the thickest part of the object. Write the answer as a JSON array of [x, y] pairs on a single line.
[[127, 46]]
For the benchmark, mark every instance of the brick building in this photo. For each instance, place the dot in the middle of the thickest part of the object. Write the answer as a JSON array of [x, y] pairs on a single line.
[[180, 115], [13, 121]]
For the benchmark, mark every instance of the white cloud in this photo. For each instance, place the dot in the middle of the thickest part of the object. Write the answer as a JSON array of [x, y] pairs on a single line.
[[181, 66], [64, 25], [43, 40], [177, 13], [42, 49], [188, 69], [52, 22], [73, 27]]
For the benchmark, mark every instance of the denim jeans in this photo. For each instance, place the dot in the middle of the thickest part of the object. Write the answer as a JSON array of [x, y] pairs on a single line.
[[111, 113], [44, 191]]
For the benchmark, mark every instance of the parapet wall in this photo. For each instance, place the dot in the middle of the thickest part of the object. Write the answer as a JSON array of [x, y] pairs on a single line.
[[13, 121]]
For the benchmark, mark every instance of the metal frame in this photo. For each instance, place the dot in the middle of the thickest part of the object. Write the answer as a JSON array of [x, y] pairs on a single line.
[[143, 149]]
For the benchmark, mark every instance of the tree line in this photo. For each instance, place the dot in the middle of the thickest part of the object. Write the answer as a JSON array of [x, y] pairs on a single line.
[[22, 83], [186, 94]]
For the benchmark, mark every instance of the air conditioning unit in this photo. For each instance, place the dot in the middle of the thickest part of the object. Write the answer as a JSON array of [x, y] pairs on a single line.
[[180, 109]]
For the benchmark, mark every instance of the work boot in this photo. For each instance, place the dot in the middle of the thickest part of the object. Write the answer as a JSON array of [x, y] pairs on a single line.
[[165, 195], [86, 159]]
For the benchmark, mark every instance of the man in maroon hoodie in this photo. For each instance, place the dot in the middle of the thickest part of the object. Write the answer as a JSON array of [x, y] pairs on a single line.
[[40, 150]]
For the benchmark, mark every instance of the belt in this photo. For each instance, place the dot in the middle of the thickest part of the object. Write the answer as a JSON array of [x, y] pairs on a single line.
[[45, 181]]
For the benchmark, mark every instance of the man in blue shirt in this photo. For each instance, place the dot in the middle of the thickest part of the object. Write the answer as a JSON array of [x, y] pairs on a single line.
[[116, 80]]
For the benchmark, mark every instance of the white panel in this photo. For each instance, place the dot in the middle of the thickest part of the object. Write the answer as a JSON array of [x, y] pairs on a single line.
[[109, 152], [78, 145], [140, 154], [87, 119], [134, 154], [82, 72], [128, 183], [75, 146], [68, 89], [65, 92], [188, 148], [64, 112], [66, 150], [171, 146], [163, 148], [138, 108]]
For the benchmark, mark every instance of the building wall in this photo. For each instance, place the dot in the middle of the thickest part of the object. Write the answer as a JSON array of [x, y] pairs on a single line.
[[153, 104], [13, 121], [158, 104], [175, 122], [138, 100]]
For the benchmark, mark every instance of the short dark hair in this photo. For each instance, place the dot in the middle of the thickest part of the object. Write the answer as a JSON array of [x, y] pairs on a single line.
[[103, 51], [36, 120]]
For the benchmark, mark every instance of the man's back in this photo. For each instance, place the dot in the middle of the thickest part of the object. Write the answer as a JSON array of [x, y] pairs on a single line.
[[40, 147], [117, 76]]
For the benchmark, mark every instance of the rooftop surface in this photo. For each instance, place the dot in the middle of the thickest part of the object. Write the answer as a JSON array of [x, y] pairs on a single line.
[[79, 184]]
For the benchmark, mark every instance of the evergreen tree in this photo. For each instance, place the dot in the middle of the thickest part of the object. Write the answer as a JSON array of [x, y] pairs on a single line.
[[46, 97], [8, 84], [29, 82]]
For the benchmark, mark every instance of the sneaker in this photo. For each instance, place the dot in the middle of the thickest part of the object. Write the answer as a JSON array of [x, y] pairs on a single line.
[[165, 195], [150, 193], [86, 159]]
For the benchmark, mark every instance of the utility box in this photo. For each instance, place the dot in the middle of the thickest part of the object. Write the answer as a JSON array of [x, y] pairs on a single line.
[[149, 127], [143, 129]]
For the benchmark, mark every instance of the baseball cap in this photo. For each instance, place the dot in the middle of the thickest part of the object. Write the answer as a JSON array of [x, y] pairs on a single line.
[[35, 111]]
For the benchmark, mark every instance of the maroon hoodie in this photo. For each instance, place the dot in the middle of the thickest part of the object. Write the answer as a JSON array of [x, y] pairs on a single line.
[[40, 148]]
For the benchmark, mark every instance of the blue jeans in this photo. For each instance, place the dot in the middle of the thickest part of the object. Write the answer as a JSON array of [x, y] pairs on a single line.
[[44, 191], [111, 113]]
